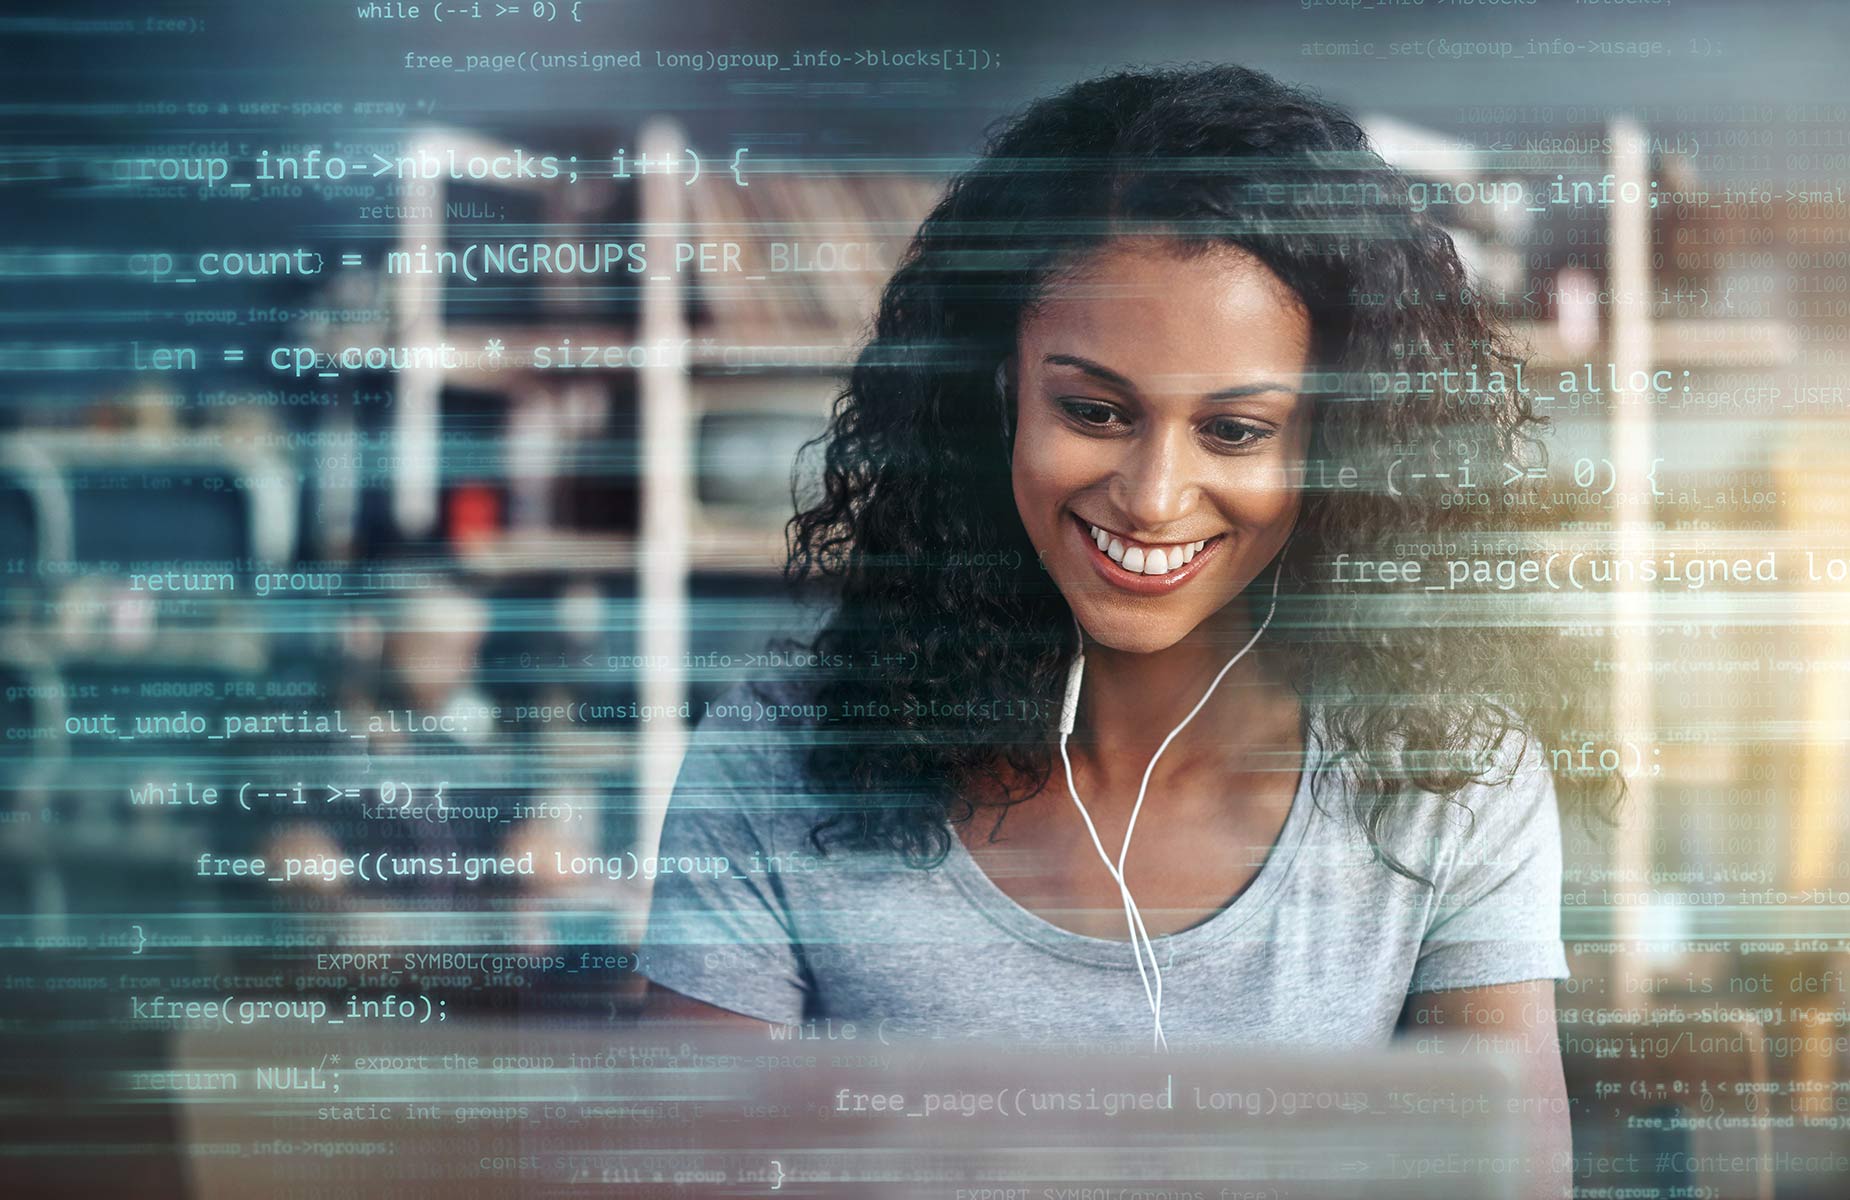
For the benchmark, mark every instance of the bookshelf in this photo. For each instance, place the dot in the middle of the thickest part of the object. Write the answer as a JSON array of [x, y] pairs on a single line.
[[708, 508], [1637, 337]]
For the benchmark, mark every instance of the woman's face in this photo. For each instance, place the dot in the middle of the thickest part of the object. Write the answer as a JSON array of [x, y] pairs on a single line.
[[1159, 412]]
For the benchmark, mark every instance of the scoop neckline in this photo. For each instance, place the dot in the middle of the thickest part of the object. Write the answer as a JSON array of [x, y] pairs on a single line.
[[1012, 916]]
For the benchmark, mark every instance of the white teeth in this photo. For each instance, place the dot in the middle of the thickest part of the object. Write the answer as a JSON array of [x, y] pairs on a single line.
[[1145, 560]]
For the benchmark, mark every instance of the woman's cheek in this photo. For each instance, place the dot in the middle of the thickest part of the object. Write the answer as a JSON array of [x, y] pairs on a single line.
[[1260, 492], [1047, 469]]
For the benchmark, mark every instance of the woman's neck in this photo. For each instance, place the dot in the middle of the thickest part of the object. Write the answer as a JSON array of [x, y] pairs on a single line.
[[1129, 702]]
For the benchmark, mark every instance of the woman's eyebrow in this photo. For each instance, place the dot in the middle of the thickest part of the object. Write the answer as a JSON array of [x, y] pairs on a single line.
[[1116, 380]]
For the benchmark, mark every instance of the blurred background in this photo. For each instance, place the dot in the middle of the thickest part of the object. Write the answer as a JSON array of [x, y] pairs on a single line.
[[399, 405]]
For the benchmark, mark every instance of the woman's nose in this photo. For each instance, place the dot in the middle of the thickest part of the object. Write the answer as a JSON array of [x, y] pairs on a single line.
[[1155, 485]]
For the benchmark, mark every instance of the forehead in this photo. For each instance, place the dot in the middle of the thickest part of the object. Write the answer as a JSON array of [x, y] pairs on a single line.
[[1169, 322]]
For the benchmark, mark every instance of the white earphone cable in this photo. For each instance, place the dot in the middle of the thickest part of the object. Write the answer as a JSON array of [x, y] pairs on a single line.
[[1140, 939]]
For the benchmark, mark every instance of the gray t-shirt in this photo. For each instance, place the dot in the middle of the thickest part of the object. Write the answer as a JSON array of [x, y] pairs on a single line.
[[1323, 946]]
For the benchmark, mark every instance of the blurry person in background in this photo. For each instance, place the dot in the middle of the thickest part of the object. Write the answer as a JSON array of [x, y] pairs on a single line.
[[409, 684]]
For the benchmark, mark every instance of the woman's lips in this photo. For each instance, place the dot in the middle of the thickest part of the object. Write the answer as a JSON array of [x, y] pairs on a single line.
[[1133, 581]]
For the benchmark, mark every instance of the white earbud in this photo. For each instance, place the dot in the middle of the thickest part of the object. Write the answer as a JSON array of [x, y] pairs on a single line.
[[1069, 712], [1002, 411]]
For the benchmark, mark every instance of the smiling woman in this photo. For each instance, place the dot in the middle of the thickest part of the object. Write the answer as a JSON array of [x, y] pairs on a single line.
[[1099, 484]]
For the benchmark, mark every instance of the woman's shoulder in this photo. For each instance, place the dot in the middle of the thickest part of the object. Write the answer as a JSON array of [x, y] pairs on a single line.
[[1506, 822], [749, 750], [1514, 782], [769, 723], [1510, 805], [781, 701]]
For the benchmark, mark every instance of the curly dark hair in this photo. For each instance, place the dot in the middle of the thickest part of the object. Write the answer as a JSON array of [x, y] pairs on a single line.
[[917, 537]]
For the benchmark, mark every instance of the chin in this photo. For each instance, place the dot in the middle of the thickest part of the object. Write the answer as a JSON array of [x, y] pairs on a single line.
[[1129, 632]]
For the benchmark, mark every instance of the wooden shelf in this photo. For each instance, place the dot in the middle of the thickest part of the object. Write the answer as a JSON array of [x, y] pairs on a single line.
[[709, 350], [711, 547], [1684, 342]]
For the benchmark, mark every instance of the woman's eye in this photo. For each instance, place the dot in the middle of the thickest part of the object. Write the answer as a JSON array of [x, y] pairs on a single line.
[[1237, 433], [1089, 412]]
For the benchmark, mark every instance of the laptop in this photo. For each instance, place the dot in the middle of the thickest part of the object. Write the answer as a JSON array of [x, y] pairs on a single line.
[[451, 1109]]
